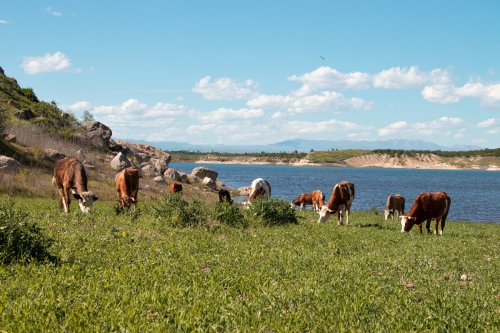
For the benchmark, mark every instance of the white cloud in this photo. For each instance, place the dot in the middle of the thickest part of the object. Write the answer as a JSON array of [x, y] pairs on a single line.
[[327, 78], [487, 123], [129, 107], [50, 62], [441, 126], [3, 21], [168, 110], [222, 114], [325, 101], [225, 89], [77, 106], [53, 12], [311, 127], [393, 128], [488, 94], [407, 77]]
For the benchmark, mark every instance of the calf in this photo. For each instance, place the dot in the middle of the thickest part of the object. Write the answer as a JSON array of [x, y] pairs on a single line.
[[427, 206], [175, 187], [314, 198], [224, 195], [340, 201], [127, 186], [395, 205], [70, 177], [260, 188]]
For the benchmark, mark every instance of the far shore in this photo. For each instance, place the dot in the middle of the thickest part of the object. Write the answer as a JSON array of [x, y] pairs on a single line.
[[439, 166]]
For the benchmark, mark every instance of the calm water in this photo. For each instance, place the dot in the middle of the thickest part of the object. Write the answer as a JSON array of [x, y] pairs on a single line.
[[475, 194]]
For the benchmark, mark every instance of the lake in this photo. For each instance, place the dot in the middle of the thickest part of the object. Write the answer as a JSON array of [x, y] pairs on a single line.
[[475, 194]]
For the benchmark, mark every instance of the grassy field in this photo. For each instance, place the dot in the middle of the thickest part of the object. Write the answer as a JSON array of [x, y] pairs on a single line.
[[131, 272]]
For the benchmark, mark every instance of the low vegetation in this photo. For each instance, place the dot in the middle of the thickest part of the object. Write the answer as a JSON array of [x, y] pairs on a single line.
[[335, 156], [134, 272], [467, 154]]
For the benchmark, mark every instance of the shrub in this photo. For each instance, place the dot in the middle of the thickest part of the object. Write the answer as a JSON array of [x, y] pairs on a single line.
[[21, 240], [177, 212], [272, 212], [231, 215]]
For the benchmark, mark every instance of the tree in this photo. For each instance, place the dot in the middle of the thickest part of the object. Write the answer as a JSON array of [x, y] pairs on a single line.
[[87, 116]]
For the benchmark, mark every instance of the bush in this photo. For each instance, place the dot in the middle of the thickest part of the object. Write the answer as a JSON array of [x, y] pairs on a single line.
[[21, 240], [272, 212], [177, 212], [228, 214]]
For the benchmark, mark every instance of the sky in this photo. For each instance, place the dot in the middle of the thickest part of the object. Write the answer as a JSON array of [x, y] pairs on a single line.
[[260, 72]]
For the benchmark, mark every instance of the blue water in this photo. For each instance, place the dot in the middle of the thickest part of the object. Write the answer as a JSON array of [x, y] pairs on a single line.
[[475, 194]]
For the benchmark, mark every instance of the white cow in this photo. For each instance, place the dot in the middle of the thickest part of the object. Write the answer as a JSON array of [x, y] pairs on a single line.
[[260, 188]]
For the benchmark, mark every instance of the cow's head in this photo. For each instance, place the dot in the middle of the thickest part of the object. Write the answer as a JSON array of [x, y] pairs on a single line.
[[407, 222], [387, 214], [85, 200], [325, 213], [127, 202]]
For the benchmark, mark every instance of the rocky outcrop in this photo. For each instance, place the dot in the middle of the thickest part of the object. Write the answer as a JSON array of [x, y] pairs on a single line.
[[120, 162], [202, 172], [151, 161], [24, 114], [159, 179], [172, 174], [8, 137], [8, 164], [160, 163], [209, 182], [419, 161]]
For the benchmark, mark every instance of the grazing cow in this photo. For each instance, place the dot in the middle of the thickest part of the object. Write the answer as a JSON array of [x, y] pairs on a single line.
[[70, 178], [314, 198], [395, 205], [427, 206], [127, 186], [224, 195], [175, 187], [260, 188], [340, 201]]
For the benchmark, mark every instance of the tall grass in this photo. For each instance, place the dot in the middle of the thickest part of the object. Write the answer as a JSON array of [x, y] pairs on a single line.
[[122, 274]]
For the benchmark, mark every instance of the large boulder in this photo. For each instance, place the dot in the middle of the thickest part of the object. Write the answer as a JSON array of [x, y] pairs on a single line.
[[202, 172], [149, 171], [97, 134], [160, 163], [9, 137], [8, 164], [120, 162], [53, 154], [159, 179], [209, 182], [172, 174]]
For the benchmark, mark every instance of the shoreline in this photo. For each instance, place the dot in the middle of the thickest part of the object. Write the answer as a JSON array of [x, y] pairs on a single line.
[[439, 166]]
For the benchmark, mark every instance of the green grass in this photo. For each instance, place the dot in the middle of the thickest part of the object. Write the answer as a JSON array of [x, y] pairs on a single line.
[[130, 272]]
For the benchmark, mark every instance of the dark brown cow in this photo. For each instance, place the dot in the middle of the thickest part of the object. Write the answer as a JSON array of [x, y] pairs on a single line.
[[175, 188], [315, 198], [224, 195], [395, 205], [427, 206], [70, 178], [127, 186], [340, 201]]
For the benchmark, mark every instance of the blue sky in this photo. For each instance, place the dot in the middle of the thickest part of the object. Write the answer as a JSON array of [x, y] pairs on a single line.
[[260, 72]]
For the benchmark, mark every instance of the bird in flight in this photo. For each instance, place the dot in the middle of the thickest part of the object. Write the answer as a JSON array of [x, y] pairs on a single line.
[[322, 58]]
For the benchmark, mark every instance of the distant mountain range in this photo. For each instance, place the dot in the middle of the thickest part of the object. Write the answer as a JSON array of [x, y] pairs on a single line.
[[302, 145]]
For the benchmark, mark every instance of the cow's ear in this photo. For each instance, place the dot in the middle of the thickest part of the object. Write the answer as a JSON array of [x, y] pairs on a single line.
[[95, 198], [77, 196]]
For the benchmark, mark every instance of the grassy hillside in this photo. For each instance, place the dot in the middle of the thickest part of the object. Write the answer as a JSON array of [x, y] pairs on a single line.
[[335, 156], [131, 272]]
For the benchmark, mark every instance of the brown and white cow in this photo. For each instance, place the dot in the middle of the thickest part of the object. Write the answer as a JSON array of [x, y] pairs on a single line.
[[315, 198], [395, 205], [175, 187], [224, 195], [127, 186], [340, 201], [260, 188], [427, 206], [70, 178]]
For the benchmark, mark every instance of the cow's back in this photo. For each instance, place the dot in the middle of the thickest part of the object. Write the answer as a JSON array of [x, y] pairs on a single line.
[[132, 180], [431, 205], [68, 171]]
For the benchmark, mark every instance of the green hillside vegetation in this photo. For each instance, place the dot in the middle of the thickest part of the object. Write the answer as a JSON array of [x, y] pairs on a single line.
[[335, 156], [193, 156], [469, 153], [136, 272]]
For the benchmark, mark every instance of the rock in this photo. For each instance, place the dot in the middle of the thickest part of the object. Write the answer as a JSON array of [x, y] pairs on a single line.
[[209, 182], [53, 154], [191, 178], [24, 114], [149, 171], [97, 134], [113, 146], [9, 137], [8, 164], [172, 174], [142, 157], [89, 166], [2, 71], [202, 172], [184, 176], [160, 163], [120, 162], [159, 179], [80, 155], [245, 190], [14, 104]]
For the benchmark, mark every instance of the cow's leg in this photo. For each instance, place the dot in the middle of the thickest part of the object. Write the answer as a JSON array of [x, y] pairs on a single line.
[[62, 204], [436, 226], [302, 205], [428, 226], [340, 215], [420, 228], [347, 213], [67, 199], [443, 221]]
